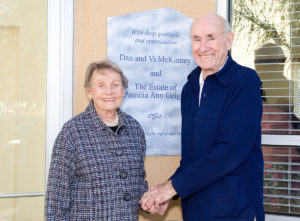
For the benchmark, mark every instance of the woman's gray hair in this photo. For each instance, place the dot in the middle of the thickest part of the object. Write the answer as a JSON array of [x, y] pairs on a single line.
[[100, 65]]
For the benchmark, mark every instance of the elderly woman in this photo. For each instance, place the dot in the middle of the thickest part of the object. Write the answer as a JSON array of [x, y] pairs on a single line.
[[97, 166]]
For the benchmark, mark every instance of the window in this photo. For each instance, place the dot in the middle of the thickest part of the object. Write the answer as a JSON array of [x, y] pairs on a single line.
[[23, 44], [267, 38]]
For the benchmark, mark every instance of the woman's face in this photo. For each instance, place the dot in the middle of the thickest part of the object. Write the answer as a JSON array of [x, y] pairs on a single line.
[[106, 90]]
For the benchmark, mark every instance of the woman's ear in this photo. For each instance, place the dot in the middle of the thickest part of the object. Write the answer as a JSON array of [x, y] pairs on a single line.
[[89, 94]]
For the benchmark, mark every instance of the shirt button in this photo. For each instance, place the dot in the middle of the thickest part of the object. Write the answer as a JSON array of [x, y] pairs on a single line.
[[123, 174], [119, 151], [126, 197]]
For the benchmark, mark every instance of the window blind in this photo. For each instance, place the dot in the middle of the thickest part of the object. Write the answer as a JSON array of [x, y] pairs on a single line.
[[282, 179], [267, 39]]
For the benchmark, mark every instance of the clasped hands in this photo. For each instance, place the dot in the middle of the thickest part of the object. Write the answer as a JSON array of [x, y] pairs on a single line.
[[157, 199]]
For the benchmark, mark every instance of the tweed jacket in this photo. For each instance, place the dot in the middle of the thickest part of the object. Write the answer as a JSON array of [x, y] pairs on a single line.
[[95, 173]]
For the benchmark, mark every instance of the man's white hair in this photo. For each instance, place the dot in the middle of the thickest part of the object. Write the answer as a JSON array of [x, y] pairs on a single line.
[[227, 27]]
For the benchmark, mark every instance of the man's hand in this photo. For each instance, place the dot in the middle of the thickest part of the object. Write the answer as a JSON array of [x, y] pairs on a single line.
[[157, 199]]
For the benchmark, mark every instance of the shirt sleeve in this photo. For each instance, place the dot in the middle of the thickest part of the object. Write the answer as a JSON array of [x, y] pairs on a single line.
[[61, 172], [238, 135]]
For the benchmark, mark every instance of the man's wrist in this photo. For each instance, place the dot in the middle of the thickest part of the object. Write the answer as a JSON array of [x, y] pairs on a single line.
[[172, 191]]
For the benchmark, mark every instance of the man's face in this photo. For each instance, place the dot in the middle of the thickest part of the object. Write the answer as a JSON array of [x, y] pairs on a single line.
[[210, 44]]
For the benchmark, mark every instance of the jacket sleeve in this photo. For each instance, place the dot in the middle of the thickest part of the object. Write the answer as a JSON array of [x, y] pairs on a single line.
[[61, 172], [179, 169], [237, 135], [143, 172]]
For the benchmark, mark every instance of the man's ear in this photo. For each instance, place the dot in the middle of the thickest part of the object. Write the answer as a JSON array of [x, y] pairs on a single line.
[[229, 40]]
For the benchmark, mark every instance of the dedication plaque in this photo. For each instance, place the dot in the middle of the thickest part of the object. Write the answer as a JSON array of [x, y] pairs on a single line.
[[153, 49]]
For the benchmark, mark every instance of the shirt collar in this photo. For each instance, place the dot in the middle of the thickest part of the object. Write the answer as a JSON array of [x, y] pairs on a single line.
[[224, 74], [201, 81], [96, 121], [223, 64]]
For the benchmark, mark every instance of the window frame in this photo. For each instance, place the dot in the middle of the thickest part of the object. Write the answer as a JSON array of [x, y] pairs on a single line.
[[60, 35], [223, 8], [60, 61]]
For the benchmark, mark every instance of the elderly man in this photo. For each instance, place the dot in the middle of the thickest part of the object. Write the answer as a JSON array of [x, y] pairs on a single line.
[[220, 176]]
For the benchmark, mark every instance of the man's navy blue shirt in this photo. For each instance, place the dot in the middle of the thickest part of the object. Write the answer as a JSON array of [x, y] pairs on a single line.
[[221, 171]]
